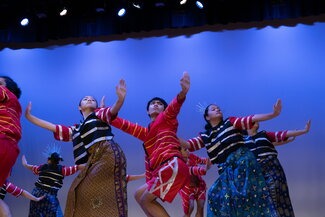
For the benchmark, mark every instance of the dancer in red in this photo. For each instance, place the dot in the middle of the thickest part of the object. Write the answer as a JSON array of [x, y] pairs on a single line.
[[196, 189], [169, 171], [10, 129]]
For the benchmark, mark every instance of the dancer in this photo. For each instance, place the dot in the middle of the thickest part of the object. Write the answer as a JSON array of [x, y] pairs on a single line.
[[50, 180], [240, 189], [100, 188], [196, 189], [10, 129], [169, 172], [260, 143]]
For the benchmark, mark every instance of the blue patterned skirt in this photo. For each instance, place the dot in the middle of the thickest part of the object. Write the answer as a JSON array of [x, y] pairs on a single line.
[[240, 189], [47, 207], [277, 184]]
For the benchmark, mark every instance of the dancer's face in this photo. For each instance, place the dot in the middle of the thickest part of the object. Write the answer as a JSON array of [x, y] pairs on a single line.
[[185, 153], [155, 107], [214, 112], [88, 102], [2, 82]]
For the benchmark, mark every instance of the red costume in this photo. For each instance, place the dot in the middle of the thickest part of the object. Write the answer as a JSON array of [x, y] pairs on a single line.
[[168, 170], [10, 132], [196, 189]]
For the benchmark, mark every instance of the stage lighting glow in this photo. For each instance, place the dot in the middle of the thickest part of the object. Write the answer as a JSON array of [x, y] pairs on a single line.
[[64, 12], [24, 22], [199, 4], [182, 2], [136, 5], [121, 12]]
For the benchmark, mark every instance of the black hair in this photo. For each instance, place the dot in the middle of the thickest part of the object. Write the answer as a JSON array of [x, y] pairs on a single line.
[[159, 99], [206, 111], [81, 101], [12, 86], [55, 158]]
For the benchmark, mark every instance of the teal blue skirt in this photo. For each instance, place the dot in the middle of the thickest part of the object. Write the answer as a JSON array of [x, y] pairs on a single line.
[[241, 189]]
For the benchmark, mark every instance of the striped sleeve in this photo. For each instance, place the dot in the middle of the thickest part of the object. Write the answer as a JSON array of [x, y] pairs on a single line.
[[14, 190], [173, 108], [198, 171], [105, 114], [278, 136], [3, 93], [130, 128], [198, 160], [67, 171], [243, 123], [195, 144], [35, 169], [63, 133]]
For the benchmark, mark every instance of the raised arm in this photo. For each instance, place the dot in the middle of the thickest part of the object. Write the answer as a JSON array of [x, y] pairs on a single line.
[[37, 121], [25, 164], [283, 137], [294, 133], [264, 117], [174, 107], [120, 92]]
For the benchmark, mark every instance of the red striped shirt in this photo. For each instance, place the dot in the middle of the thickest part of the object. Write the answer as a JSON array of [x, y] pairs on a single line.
[[10, 113], [12, 189], [161, 142]]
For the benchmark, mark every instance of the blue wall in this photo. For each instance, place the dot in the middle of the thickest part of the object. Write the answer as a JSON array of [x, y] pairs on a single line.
[[243, 71]]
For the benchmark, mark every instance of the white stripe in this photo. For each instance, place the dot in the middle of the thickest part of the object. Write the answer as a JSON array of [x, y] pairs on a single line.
[[78, 146], [60, 133], [93, 130], [268, 153], [98, 140], [218, 143], [49, 186], [169, 182], [242, 122], [80, 156], [229, 146]]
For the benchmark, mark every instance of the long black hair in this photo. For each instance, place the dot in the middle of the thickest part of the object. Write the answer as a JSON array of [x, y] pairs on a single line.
[[12, 86]]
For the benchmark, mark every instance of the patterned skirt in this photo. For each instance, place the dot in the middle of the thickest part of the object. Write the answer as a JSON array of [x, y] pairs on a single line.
[[277, 185], [49, 206], [240, 189], [100, 189]]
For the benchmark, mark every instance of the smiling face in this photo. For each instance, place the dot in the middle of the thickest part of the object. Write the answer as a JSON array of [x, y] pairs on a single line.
[[87, 103], [213, 112]]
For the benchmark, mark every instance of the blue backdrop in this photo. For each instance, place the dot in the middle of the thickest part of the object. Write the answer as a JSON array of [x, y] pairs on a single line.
[[243, 71]]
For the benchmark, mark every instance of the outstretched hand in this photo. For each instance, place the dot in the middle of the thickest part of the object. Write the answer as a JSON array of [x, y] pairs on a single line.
[[102, 102], [28, 110], [39, 198], [307, 127], [121, 89], [185, 83], [277, 108], [208, 165], [23, 160]]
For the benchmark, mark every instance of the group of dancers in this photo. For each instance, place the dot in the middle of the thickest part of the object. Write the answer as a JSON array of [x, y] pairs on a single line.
[[251, 181]]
